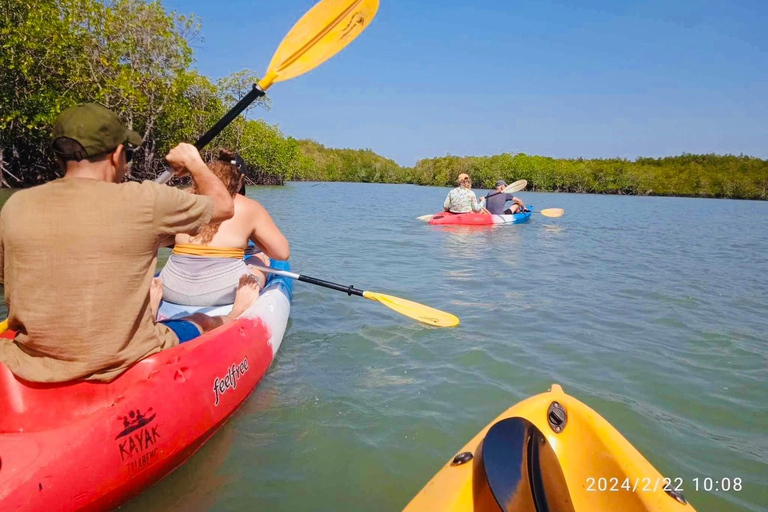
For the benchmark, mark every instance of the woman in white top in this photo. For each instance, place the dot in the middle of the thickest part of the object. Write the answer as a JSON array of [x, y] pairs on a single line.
[[462, 199]]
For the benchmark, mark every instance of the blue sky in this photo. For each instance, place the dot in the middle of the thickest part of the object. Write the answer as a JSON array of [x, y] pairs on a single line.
[[561, 78]]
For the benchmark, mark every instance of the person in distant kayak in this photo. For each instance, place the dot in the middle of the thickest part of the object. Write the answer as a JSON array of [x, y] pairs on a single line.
[[205, 268], [78, 254], [496, 201], [462, 199]]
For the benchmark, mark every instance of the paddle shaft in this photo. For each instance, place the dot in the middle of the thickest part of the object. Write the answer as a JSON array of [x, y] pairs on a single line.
[[503, 191], [496, 194], [208, 136], [235, 111], [349, 290]]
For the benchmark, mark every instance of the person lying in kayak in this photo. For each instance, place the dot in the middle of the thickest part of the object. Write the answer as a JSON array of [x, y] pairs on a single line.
[[496, 201], [204, 269], [462, 199], [78, 254]]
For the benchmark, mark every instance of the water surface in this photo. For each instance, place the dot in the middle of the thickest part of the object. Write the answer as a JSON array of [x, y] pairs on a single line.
[[650, 310]]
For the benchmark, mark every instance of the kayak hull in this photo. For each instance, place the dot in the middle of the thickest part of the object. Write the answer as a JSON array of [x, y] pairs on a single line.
[[587, 453], [91, 446], [478, 219]]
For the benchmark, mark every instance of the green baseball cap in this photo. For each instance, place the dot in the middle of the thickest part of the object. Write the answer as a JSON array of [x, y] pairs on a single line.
[[96, 128]]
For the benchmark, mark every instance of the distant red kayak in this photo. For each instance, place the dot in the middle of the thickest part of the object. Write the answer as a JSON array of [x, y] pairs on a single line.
[[91, 446], [478, 219]]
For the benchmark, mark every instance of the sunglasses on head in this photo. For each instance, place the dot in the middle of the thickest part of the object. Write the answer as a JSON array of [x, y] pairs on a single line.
[[129, 150]]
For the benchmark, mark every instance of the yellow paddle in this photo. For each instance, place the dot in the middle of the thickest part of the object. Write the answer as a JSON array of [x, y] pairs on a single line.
[[551, 212], [319, 35], [514, 187], [420, 312], [509, 189]]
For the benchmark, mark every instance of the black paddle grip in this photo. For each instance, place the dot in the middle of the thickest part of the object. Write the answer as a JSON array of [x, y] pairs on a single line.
[[229, 116], [349, 290]]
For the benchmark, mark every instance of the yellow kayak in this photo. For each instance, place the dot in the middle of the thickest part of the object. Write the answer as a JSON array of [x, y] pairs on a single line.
[[550, 453]]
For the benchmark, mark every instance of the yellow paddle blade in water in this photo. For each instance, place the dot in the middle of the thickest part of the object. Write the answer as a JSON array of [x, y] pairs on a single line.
[[319, 35], [415, 310], [3, 326], [552, 212]]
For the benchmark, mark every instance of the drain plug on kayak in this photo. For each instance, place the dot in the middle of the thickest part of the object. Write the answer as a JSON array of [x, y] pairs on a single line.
[[462, 458], [557, 417]]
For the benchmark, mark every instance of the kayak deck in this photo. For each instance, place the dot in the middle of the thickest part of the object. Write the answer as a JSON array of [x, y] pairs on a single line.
[[478, 219], [93, 445], [549, 449]]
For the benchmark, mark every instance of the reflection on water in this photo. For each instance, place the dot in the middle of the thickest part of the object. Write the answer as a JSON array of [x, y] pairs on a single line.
[[552, 229]]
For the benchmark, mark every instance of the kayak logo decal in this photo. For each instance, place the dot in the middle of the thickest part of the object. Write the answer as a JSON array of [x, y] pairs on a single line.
[[357, 20], [137, 442], [134, 421], [229, 381]]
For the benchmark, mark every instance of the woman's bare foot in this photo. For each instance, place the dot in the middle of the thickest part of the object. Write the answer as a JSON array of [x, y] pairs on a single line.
[[247, 293], [155, 296], [260, 276]]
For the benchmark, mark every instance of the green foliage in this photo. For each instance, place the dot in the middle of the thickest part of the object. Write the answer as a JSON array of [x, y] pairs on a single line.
[[39, 45], [318, 163], [686, 175], [135, 58]]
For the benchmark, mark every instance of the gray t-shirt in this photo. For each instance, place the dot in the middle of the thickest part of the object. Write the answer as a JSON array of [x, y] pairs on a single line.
[[495, 202]]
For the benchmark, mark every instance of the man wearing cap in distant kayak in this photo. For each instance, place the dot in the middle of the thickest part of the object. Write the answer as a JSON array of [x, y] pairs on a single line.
[[496, 200], [462, 199], [78, 254]]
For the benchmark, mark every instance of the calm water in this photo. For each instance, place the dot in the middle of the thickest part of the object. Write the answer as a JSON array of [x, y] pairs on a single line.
[[650, 310]]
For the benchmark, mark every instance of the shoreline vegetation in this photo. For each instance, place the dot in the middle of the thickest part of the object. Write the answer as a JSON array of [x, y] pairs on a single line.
[[716, 176], [136, 58]]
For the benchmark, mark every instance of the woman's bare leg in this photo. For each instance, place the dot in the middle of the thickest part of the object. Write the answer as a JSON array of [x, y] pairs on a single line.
[[155, 296], [247, 293]]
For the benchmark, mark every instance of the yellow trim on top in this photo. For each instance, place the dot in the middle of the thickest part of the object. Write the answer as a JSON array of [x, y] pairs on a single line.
[[208, 252]]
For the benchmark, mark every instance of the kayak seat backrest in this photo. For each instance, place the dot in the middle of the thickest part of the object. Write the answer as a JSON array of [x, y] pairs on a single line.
[[522, 469]]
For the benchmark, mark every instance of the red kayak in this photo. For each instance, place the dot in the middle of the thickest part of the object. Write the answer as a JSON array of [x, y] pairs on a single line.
[[478, 219], [90, 446]]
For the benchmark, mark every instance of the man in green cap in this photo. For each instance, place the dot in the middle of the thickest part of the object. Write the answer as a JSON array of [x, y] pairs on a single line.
[[78, 254]]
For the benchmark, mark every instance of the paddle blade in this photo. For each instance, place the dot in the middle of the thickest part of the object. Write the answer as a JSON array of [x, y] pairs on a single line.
[[552, 212], [319, 35], [425, 218], [3, 326], [420, 312], [516, 186]]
